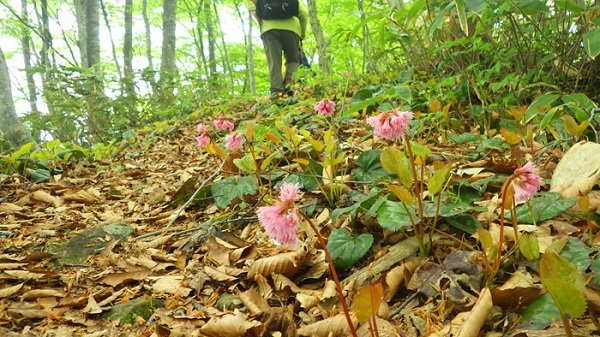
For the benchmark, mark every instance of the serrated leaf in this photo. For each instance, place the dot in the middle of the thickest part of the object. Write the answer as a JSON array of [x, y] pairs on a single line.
[[367, 301], [392, 215], [228, 189], [529, 246], [345, 249], [564, 283], [544, 206]]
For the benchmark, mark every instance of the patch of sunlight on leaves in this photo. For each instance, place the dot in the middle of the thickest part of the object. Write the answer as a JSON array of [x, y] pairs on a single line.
[[346, 249]]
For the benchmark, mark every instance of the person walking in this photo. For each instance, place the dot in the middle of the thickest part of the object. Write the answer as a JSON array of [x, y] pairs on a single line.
[[282, 26]]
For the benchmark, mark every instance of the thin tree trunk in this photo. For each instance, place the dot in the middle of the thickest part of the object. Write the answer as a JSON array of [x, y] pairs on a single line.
[[319, 36], [112, 40], [26, 46], [212, 41], [167, 65], [249, 74], [80, 15], [128, 49], [226, 64], [150, 68], [200, 30], [16, 133]]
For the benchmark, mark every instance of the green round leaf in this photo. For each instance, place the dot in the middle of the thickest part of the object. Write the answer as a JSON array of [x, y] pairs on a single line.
[[345, 249]]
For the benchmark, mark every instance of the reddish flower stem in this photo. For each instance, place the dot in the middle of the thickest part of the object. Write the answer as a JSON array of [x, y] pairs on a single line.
[[333, 273]]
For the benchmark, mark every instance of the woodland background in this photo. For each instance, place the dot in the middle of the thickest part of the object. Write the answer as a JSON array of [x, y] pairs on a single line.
[[91, 70], [99, 104]]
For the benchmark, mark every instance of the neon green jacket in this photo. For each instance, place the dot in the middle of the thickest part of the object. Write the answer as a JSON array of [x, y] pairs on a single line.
[[295, 24]]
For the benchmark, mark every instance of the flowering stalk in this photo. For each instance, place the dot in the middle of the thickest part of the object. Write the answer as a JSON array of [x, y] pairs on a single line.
[[520, 186], [336, 280]]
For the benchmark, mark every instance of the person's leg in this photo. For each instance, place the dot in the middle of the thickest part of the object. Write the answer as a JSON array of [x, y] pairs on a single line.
[[273, 48], [290, 43]]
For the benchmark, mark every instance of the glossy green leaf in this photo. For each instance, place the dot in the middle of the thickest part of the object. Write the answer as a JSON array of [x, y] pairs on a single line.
[[540, 313], [544, 206], [346, 249], [465, 222], [369, 167], [577, 253], [392, 215]]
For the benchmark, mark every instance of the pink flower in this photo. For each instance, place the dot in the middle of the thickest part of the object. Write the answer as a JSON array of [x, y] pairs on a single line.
[[202, 129], [391, 125], [325, 107], [289, 193], [203, 140], [281, 220], [233, 141], [526, 183], [221, 124]]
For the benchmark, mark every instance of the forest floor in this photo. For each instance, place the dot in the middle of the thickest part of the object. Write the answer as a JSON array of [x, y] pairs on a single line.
[[202, 275]]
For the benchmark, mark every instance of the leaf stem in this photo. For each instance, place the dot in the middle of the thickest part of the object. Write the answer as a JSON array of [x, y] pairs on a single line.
[[333, 273]]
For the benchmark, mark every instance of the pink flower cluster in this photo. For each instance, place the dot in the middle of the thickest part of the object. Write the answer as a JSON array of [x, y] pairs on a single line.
[[233, 141], [325, 107], [203, 138], [221, 124], [391, 125], [281, 220], [527, 182]]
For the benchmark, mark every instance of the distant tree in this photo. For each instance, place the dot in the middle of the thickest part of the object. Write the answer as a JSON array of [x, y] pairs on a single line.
[[167, 59], [128, 49], [319, 36], [12, 127], [26, 46]]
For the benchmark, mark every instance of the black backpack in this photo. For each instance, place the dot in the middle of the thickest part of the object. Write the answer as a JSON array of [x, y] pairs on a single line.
[[276, 9]]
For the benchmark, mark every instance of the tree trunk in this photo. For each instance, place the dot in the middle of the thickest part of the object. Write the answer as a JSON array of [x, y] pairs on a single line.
[[149, 71], [26, 46], [112, 40], [212, 42], [128, 49], [226, 63], [200, 30], [249, 80], [16, 133], [80, 15], [167, 59], [319, 36]]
